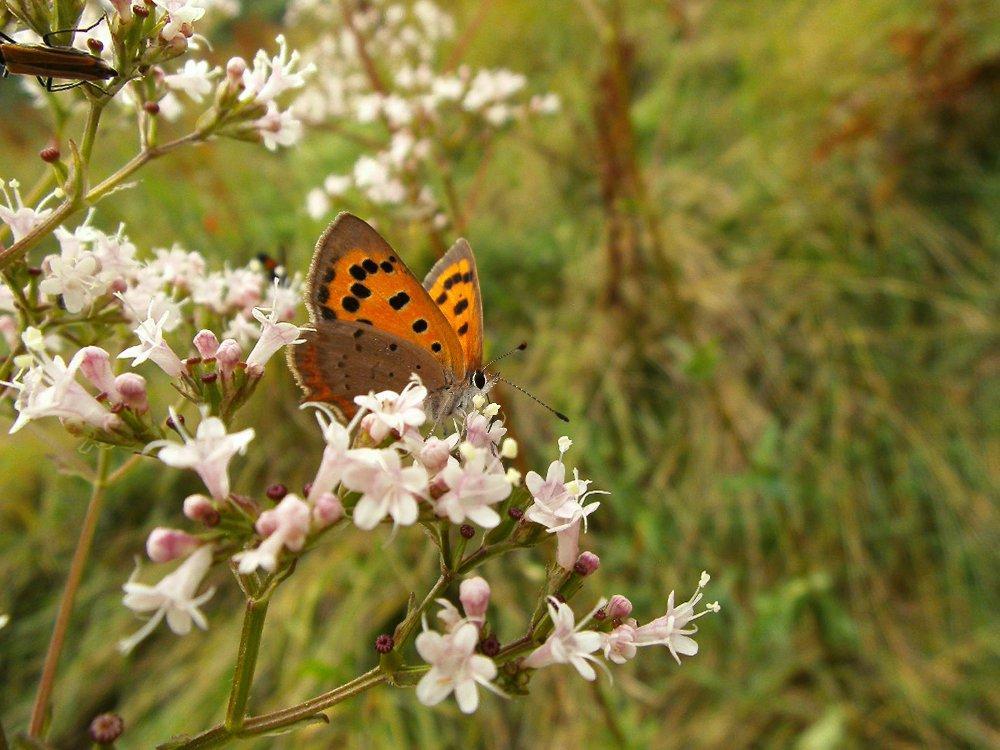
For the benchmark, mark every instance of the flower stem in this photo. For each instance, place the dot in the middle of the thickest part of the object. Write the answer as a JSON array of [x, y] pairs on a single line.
[[405, 628], [246, 662], [220, 735], [79, 561]]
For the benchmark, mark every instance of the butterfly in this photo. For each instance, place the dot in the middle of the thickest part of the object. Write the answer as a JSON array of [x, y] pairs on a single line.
[[373, 324]]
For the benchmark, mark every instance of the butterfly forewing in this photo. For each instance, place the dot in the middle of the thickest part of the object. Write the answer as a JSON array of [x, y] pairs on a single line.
[[357, 277], [453, 285]]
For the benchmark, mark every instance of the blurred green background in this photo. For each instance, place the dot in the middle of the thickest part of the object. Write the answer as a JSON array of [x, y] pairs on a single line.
[[755, 257]]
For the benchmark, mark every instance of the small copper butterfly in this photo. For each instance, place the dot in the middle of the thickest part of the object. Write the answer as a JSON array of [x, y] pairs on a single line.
[[373, 324]]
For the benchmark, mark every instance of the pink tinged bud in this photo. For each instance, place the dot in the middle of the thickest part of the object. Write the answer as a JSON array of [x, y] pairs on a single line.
[[434, 454], [267, 523], [619, 607], [164, 545], [384, 643], [106, 728], [228, 356], [207, 344], [586, 564], [474, 593], [131, 388], [235, 69], [201, 508], [95, 364], [327, 510]]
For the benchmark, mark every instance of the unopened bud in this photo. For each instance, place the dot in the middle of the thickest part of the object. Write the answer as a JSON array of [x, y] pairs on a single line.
[[228, 356], [328, 509], [95, 364], [209, 377], [50, 154], [619, 607], [490, 646], [586, 564], [235, 69], [474, 593], [384, 643], [207, 343], [131, 388], [140, 10], [164, 545], [276, 492], [106, 728], [152, 108], [508, 448], [516, 513], [201, 508], [466, 531], [96, 46]]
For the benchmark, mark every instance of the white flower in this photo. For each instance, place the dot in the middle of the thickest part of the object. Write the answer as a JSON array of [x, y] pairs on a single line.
[[317, 203], [285, 526], [181, 14], [50, 389], [336, 454], [242, 330], [272, 76], [152, 346], [173, 597], [194, 79], [208, 453], [386, 489], [393, 412], [491, 86], [567, 644], [482, 431], [455, 666], [671, 629], [336, 185], [178, 267], [278, 128], [472, 488], [619, 644], [273, 335], [72, 273], [20, 218]]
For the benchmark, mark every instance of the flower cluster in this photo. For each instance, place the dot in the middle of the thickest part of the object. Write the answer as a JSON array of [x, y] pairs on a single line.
[[415, 102], [384, 467]]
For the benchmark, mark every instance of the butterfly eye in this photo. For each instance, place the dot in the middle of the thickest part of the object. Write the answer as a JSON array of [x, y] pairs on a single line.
[[479, 379]]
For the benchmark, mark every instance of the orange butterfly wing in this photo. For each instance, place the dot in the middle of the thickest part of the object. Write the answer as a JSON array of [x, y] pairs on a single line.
[[453, 285], [356, 276]]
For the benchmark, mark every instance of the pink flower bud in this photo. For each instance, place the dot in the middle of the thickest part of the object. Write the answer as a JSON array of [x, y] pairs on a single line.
[[619, 607], [207, 343], [131, 388], [201, 508], [434, 454], [235, 69], [474, 593], [164, 545], [95, 364], [228, 356], [327, 510], [586, 564], [267, 523]]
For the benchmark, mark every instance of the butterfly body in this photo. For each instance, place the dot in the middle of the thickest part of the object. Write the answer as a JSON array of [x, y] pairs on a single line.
[[374, 324]]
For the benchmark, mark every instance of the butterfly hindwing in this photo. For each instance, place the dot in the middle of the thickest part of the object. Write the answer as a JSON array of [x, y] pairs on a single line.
[[356, 277], [341, 359], [453, 285]]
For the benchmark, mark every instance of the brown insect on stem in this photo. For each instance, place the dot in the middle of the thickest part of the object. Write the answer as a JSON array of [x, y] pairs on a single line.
[[49, 61]]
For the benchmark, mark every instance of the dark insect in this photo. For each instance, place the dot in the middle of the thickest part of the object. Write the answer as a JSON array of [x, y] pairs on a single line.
[[274, 268], [50, 61]]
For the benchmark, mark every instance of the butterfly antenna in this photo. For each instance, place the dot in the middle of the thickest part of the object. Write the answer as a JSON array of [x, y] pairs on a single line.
[[534, 398], [519, 348]]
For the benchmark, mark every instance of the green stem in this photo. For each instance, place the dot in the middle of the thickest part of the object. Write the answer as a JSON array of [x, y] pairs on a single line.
[[276, 720], [405, 628], [78, 563], [246, 662]]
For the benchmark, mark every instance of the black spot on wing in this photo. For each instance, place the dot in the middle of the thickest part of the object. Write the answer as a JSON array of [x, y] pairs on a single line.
[[386, 266], [327, 313], [399, 300], [350, 304], [463, 329], [369, 265], [419, 325], [357, 272], [360, 291], [461, 305]]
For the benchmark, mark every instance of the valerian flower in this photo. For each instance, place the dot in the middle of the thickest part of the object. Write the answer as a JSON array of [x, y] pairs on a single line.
[[181, 15], [49, 389], [471, 489], [455, 667], [387, 489], [274, 334], [173, 597], [568, 644], [272, 76], [152, 346], [671, 629], [20, 218], [208, 452], [285, 526], [194, 79], [619, 645], [393, 412]]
